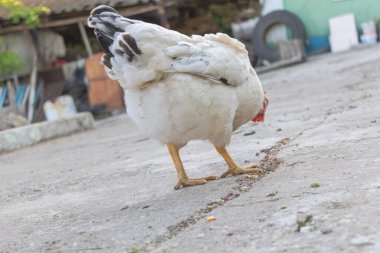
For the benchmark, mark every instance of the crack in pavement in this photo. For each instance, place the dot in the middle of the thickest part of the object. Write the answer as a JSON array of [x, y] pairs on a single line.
[[269, 163]]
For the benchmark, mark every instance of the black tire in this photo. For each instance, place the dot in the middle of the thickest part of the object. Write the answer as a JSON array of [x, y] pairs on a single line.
[[266, 23]]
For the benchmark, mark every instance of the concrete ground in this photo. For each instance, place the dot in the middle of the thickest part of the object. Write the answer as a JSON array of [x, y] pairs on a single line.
[[111, 189]]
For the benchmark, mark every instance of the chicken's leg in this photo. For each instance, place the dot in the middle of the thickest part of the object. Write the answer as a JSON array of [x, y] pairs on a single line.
[[183, 179], [233, 168]]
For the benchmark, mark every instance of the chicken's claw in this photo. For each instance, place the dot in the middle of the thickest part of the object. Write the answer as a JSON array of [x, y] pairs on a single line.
[[193, 181], [236, 170]]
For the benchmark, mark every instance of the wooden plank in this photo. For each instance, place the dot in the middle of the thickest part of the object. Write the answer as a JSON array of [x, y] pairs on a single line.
[[291, 48], [83, 19], [280, 64], [163, 17], [85, 38], [33, 81], [12, 97]]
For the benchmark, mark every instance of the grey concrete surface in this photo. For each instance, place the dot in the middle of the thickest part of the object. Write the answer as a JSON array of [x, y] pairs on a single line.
[[20, 137], [111, 190]]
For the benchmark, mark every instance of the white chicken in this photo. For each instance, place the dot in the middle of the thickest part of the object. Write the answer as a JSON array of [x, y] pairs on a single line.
[[180, 88]]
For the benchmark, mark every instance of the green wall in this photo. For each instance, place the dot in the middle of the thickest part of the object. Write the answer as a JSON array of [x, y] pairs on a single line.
[[316, 13]]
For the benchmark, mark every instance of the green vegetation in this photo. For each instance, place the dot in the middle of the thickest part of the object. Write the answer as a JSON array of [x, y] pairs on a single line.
[[18, 13]]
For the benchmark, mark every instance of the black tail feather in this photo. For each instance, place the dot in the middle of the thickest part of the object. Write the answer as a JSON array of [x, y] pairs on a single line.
[[107, 60], [107, 23], [132, 43], [104, 41], [104, 20]]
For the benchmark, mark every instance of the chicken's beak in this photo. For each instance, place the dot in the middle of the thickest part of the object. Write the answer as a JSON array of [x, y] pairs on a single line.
[[261, 116]]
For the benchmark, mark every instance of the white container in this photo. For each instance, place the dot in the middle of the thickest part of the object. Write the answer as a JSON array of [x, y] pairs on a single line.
[[63, 107], [368, 39], [50, 112], [369, 28]]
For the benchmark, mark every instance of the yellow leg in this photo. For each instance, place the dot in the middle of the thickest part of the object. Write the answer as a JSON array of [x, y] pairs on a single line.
[[183, 179], [233, 168]]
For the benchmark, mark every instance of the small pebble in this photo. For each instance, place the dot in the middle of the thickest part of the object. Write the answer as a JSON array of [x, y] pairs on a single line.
[[360, 241], [250, 176], [326, 231], [272, 194], [244, 188], [211, 218], [306, 229], [124, 208], [314, 185], [249, 133]]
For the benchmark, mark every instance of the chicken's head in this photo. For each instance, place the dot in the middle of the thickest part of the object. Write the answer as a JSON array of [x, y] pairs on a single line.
[[260, 117]]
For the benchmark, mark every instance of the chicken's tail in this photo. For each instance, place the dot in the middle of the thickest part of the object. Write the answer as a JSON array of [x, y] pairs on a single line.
[[108, 23]]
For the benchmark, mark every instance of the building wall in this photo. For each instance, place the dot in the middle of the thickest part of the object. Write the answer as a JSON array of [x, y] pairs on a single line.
[[316, 13], [51, 46]]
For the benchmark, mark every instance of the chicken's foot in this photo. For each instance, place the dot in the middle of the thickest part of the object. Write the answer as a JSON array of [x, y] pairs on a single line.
[[233, 168], [183, 179]]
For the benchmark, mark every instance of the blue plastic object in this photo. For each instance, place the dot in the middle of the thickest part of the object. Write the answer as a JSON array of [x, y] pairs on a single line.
[[317, 45], [3, 96], [20, 93]]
